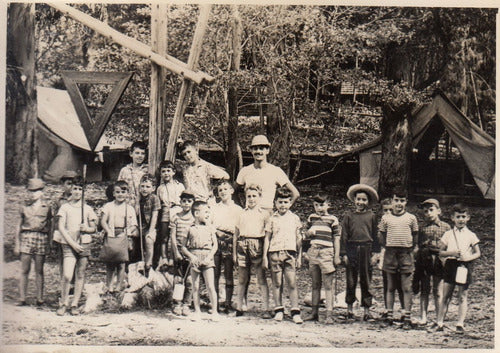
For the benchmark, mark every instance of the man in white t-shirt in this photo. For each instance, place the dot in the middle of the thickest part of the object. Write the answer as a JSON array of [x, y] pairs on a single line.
[[269, 177]]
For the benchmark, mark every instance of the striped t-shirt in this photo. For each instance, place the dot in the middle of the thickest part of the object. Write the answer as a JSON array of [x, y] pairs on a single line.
[[325, 228], [180, 225], [399, 229]]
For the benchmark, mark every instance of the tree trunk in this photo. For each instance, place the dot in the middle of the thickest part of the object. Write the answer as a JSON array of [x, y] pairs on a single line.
[[232, 160], [21, 157], [396, 150], [278, 129]]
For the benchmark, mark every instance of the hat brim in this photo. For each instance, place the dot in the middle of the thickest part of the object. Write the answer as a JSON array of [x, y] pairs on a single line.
[[371, 192]]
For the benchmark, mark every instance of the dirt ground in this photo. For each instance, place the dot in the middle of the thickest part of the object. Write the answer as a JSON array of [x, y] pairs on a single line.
[[157, 326]]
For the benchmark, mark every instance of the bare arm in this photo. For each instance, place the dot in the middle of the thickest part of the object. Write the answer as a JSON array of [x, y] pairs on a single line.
[[69, 240], [294, 191], [235, 242], [105, 225], [266, 249]]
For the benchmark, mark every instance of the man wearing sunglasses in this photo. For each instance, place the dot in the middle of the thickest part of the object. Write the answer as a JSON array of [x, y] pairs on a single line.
[[268, 176]]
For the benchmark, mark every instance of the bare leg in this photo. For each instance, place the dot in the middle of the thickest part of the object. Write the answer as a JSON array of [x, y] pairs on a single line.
[[327, 280], [196, 290], [437, 291], [277, 283], [407, 293], [110, 270], [243, 274], [120, 282], [25, 271], [462, 305], [68, 270], [208, 274], [443, 307], [291, 280], [81, 266], [264, 289], [39, 280]]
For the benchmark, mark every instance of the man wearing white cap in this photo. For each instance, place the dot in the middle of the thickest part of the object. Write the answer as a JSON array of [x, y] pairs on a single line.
[[268, 176]]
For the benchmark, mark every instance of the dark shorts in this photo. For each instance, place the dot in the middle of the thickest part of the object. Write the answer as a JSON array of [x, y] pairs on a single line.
[[68, 251], [450, 271], [249, 251], [282, 261], [225, 244], [398, 260], [427, 265], [34, 243]]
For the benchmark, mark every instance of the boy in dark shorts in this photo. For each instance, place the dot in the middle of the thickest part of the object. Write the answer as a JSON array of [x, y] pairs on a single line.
[[460, 247], [399, 229], [428, 266], [32, 240]]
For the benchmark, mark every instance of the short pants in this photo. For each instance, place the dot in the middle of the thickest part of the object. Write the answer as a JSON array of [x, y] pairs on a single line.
[[450, 271], [201, 254], [322, 257], [282, 260], [426, 265], [34, 243], [398, 259], [68, 251], [249, 251]]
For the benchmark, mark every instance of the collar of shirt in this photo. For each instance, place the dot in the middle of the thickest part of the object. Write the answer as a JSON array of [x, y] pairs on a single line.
[[463, 230], [433, 223]]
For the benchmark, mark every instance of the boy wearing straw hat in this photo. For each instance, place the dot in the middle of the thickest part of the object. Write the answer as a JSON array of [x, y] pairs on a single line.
[[32, 240], [358, 243]]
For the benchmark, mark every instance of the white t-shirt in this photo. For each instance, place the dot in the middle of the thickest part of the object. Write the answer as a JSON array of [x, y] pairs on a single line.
[[268, 178], [465, 238], [116, 215], [71, 215], [225, 216]]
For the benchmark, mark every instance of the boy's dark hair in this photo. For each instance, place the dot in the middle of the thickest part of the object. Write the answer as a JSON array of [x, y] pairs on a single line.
[[283, 193], [78, 181], [122, 184], [363, 192], [460, 208], [187, 195], [138, 144], [186, 144], [386, 202], [109, 192], [221, 182], [167, 164], [197, 205], [400, 192], [148, 177], [321, 197]]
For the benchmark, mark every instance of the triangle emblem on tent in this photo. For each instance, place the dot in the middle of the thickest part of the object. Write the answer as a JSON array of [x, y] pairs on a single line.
[[94, 127]]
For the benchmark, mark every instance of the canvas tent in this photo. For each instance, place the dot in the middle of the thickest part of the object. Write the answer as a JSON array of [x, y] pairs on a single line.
[[62, 144], [476, 147]]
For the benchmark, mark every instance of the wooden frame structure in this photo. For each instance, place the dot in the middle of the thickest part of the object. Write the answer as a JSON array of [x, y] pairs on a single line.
[[94, 127], [159, 57]]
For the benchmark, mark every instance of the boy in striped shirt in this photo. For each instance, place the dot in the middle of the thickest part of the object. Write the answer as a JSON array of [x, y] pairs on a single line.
[[399, 233], [179, 227], [324, 235]]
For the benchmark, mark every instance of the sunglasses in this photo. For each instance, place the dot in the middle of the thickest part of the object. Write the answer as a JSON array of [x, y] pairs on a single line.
[[259, 147]]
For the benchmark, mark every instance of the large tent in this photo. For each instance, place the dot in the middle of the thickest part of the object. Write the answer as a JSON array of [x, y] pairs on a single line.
[[62, 141], [476, 147]]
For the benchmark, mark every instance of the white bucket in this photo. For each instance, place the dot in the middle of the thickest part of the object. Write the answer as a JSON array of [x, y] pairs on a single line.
[[178, 292], [461, 276]]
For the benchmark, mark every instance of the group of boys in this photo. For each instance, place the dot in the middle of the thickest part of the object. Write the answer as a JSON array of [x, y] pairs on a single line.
[[197, 235]]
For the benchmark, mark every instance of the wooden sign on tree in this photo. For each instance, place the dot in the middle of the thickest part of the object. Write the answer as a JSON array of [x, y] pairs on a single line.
[[94, 126]]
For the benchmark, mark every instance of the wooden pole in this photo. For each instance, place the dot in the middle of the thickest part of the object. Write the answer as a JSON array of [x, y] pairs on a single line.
[[159, 23], [139, 48], [185, 92]]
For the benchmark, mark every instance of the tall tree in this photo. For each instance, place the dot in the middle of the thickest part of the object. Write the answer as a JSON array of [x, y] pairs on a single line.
[[21, 156]]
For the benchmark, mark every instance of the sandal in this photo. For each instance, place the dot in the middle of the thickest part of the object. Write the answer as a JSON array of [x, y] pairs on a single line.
[[368, 318]]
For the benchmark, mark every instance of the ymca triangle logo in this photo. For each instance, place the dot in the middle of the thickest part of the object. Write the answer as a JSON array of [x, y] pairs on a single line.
[[94, 126]]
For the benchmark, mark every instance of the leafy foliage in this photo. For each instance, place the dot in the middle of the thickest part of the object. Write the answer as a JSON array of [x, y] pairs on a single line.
[[295, 59]]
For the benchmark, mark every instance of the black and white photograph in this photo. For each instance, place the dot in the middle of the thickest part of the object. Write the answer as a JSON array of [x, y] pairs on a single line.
[[248, 175]]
